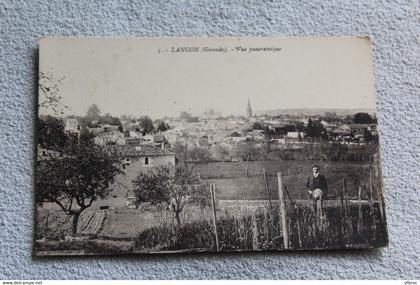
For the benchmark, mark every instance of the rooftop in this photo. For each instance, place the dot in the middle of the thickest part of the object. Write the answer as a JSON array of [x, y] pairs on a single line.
[[141, 150]]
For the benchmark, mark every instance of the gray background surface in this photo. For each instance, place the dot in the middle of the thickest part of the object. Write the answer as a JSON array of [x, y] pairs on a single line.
[[394, 27]]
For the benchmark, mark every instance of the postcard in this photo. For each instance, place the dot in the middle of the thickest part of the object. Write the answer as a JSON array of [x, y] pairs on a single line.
[[172, 145]]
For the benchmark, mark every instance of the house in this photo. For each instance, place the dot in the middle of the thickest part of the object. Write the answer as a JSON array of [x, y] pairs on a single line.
[[278, 128], [137, 159], [148, 139], [72, 127], [203, 141], [95, 130], [144, 157], [343, 129], [359, 128], [279, 141], [109, 128], [204, 138], [296, 135], [373, 129], [46, 154], [159, 140], [135, 134], [128, 141], [258, 135], [107, 138], [129, 126], [239, 139], [236, 137], [325, 124]]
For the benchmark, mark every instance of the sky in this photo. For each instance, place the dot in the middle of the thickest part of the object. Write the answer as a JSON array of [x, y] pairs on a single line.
[[147, 76]]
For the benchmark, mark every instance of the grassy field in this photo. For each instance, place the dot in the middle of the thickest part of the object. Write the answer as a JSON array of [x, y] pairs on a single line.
[[232, 183]]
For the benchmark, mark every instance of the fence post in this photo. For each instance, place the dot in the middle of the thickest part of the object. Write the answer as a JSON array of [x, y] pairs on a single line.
[[254, 226], [267, 189], [346, 209], [319, 214], [269, 213], [360, 213], [349, 223], [247, 165], [213, 206], [283, 214], [298, 226], [379, 193], [46, 222], [372, 203], [343, 222], [265, 224]]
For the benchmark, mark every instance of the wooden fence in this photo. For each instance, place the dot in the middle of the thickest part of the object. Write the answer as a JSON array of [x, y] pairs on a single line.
[[328, 223]]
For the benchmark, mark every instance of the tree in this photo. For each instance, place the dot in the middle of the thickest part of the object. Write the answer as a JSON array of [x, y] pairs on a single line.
[[299, 126], [86, 136], [288, 128], [49, 94], [181, 150], [93, 113], [246, 151], [221, 153], [300, 138], [331, 117], [146, 124], [188, 118], [172, 186], [109, 119], [314, 129], [75, 177], [210, 113], [368, 136], [268, 134], [335, 151], [128, 118], [51, 133], [162, 127], [257, 126], [363, 118], [184, 116], [197, 153]]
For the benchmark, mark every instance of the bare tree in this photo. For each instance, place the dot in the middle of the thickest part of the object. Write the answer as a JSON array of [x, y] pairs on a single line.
[[49, 93]]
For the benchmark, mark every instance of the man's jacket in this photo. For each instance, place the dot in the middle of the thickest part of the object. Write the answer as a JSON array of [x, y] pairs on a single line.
[[319, 182]]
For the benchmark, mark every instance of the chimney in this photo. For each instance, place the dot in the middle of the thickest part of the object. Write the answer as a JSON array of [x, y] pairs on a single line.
[[163, 145]]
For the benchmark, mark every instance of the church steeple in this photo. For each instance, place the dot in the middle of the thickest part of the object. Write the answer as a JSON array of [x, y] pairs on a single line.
[[249, 109]]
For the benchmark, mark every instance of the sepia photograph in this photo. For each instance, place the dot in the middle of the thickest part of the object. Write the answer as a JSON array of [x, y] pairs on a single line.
[[175, 145]]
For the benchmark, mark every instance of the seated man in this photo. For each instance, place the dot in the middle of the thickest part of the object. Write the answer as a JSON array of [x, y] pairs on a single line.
[[317, 185]]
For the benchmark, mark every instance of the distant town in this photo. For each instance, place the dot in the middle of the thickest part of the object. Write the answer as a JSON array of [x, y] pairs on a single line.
[[143, 143], [212, 137]]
